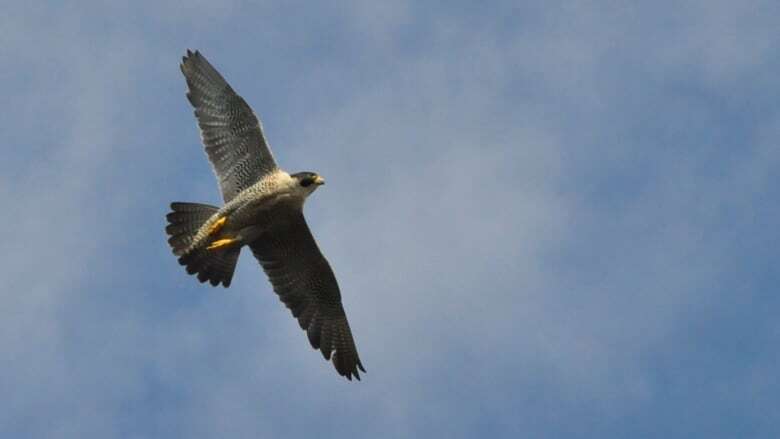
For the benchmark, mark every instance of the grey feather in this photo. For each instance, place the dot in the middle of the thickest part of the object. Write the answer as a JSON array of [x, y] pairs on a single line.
[[305, 282], [183, 224], [231, 133]]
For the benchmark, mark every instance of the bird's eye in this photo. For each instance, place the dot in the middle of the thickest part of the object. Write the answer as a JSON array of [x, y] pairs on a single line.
[[306, 182]]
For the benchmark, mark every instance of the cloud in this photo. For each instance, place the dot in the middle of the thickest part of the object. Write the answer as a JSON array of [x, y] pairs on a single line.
[[539, 217]]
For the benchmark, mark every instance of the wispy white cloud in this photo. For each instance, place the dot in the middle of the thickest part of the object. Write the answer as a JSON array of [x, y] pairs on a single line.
[[526, 220]]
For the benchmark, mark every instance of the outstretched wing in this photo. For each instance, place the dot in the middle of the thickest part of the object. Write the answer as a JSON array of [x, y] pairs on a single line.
[[231, 133], [304, 281]]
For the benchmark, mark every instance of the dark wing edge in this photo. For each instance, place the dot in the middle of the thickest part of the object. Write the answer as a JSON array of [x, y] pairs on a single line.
[[305, 283], [231, 133]]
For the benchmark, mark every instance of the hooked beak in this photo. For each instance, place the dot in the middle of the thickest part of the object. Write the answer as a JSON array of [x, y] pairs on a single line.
[[318, 180]]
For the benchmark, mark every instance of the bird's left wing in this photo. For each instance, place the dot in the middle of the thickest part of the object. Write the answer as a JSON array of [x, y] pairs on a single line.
[[231, 133], [304, 281]]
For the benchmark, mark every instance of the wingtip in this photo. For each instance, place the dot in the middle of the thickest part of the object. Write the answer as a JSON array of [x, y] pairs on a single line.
[[189, 55], [192, 54], [350, 373], [353, 373]]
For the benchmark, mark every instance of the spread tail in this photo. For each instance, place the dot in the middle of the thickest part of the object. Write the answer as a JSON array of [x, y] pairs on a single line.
[[215, 266]]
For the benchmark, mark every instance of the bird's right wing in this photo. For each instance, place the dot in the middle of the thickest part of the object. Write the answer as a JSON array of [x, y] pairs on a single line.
[[231, 133], [304, 281]]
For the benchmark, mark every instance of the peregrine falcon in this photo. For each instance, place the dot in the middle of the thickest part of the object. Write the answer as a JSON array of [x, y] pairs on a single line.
[[263, 209]]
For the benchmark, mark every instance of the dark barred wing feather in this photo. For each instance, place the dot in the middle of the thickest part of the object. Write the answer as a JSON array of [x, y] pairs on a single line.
[[231, 133], [304, 281]]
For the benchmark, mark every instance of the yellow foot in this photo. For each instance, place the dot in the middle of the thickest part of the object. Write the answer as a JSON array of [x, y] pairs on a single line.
[[221, 243], [217, 226]]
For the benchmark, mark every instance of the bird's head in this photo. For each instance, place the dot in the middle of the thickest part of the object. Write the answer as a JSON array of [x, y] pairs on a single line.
[[308, 181]]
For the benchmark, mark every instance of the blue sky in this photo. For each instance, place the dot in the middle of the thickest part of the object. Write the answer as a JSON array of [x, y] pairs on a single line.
[[548, 219]]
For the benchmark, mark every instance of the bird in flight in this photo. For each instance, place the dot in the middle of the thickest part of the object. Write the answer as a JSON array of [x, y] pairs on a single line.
[[263, 209]]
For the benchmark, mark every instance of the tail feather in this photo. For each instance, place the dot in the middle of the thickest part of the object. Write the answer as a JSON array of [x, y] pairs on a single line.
[[212, 266], [183, 224]]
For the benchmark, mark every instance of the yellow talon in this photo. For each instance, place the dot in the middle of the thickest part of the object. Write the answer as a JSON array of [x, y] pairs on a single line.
[[221, 243], [217, 226]]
